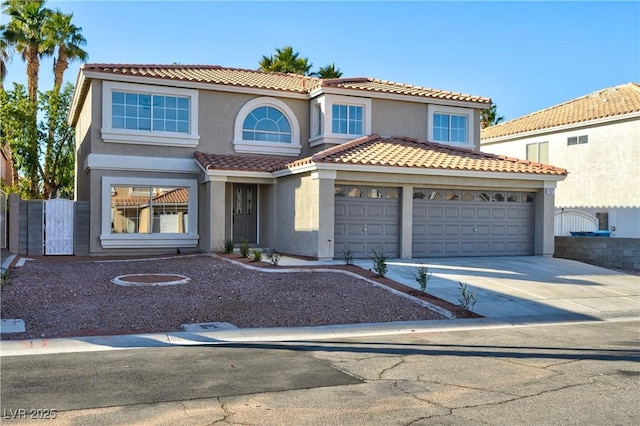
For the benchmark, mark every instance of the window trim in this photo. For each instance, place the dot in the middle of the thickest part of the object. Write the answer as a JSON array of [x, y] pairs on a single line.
[[538, 145], [256, 147], [325, 103], [446, 110], [577, 138], [148, 137], [110, 240]]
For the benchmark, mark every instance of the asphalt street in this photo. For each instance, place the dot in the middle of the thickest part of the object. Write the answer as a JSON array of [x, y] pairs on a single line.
[[544, 374]]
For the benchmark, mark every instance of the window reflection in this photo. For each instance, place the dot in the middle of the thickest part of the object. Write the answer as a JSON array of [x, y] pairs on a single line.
[[149, 210]]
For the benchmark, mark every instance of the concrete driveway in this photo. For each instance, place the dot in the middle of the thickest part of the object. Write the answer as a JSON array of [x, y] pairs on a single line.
[[537, 289]]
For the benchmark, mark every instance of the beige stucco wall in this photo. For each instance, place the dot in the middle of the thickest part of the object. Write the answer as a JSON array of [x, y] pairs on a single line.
[[397, 118], [297, 221], [217, 115]]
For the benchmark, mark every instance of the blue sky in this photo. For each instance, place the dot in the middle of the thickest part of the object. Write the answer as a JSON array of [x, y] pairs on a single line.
[[526, 56]]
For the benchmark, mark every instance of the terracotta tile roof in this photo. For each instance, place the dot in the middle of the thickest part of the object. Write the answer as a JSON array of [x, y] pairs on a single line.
[[391, 152], [245, 163], [383, 86], [215, 74], [175, 196], [610, 102], [411, 153]]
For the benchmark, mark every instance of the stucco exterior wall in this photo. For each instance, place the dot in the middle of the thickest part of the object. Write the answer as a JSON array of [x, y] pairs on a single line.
[[396, 118], [217, 115], [601, 172], [297, 222]]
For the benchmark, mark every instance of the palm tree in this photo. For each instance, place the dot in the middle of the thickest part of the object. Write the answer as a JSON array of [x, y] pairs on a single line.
[[330, 71], [489, 117], [66, 40], [287, 61], [4, 58], [26, 33]]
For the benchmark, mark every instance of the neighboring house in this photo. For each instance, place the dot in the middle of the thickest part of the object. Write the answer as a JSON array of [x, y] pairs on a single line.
[[187, 157], [597, 139], [6, 172]]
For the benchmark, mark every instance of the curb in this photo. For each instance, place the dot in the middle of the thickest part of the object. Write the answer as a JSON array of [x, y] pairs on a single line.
[[283, 334]]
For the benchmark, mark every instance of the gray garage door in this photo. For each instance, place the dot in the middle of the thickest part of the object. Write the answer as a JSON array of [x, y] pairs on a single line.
[[472, 223], [366, 219]]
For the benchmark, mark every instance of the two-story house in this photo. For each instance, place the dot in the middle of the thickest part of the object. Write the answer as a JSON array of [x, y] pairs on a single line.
[[187, 157], [597, 139]]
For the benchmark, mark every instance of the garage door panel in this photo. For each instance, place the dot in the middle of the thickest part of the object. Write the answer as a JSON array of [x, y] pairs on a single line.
[[467, 212], [373, 212], [513, 213], [483, 213], [435, 230], [473, 227], [451, 213], [364, 224], [356, 210], [467, 230], [436, 213], [498, 213]]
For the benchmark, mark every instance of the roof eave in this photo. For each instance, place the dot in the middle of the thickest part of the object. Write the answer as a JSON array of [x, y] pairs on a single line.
[[562, 128]]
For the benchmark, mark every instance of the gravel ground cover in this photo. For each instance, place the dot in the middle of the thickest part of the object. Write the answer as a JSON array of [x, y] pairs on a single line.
[[77, 298]]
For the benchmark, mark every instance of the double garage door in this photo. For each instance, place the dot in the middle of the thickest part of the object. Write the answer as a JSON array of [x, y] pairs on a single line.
[[446, 222]]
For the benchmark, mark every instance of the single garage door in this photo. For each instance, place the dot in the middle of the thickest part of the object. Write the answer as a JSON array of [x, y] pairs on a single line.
[[450, 222], [367, 218]]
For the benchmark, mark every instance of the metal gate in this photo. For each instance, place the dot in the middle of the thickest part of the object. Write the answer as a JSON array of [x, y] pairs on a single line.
[[570, 220], [59, 221]]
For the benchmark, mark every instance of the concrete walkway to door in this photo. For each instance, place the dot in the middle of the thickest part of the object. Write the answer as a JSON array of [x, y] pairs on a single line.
[[523, 289]]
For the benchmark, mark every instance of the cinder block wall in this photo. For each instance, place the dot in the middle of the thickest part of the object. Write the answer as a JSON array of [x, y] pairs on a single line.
[[611, 252]]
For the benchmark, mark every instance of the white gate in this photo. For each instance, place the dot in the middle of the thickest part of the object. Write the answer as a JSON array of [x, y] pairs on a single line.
[[59, 221], [570, 220]]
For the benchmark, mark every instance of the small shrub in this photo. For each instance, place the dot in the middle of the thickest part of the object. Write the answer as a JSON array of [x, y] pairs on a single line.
[[4, 277], [244, 248], [422, 276], [379, 263], [227, 246], [468, 299], [256, 255], [274, 257], [347, 255]]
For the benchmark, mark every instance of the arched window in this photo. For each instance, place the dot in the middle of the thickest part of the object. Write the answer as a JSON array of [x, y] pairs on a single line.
[[267, 126]]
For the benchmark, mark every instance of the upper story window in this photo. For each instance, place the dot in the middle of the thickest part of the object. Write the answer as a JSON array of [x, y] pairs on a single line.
[[538, 152], [347, 119], [336, 119], [149, 115], [450, 128], [577, 140], [139, 111], [450, 125], [267, 126]]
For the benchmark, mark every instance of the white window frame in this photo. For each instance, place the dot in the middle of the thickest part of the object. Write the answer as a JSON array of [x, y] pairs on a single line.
[[447, 110], [585, 140], [257, 147], [324, 105], [538, 146], [112, 240], [148, 137]]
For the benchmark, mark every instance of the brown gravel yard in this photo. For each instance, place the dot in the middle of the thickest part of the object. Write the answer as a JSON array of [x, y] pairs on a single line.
[[76, 298]]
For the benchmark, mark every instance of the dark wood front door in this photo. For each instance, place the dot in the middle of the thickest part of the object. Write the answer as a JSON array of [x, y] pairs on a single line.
[[245, 223]]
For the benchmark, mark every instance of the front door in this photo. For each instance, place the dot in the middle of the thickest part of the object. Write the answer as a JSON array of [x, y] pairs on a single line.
[[245, 223]]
